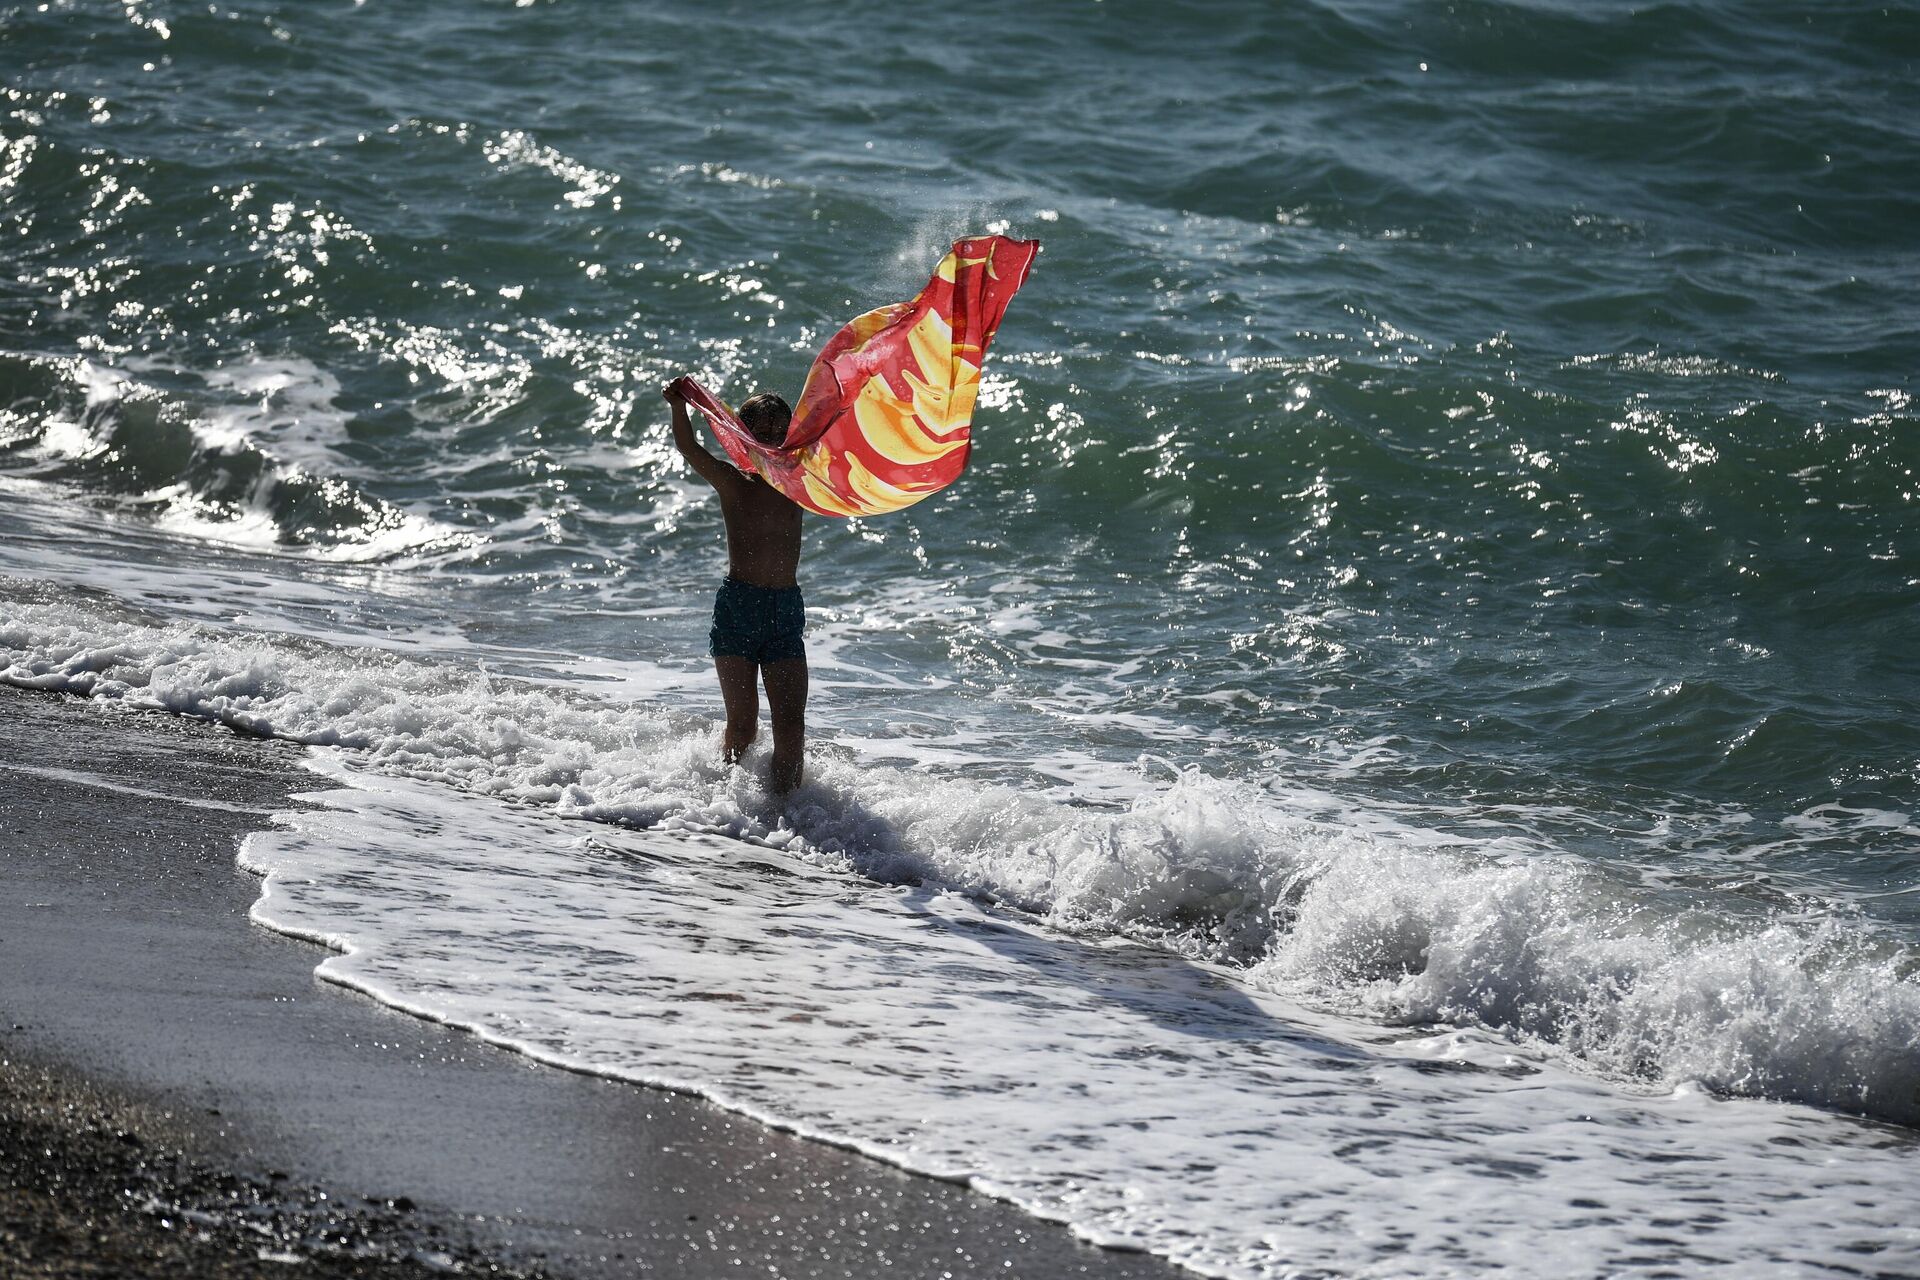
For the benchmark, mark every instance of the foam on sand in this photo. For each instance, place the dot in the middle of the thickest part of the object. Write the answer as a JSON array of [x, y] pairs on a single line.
[[1151, 1102]]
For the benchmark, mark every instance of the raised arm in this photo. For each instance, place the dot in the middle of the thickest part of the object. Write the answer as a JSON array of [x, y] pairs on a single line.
[[713, 470]]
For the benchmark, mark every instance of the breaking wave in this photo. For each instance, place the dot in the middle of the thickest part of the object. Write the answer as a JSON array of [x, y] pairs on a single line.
[[1641, 986], [234, 463]]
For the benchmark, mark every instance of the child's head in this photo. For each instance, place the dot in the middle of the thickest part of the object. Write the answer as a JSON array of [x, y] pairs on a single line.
[[766, 416]]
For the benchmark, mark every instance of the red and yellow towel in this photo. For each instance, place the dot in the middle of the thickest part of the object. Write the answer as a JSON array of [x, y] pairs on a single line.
[[886, 416]]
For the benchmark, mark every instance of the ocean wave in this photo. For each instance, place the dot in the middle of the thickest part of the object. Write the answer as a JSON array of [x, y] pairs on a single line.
[[1651, 988], [254, 461]]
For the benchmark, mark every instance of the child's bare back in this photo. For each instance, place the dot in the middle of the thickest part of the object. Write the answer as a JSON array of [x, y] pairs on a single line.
[[763, 531], [759, 614]]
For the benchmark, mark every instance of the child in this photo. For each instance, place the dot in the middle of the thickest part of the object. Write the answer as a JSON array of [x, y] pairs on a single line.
[[759, 614]]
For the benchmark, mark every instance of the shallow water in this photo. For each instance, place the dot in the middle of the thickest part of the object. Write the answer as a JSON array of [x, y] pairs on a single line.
[[1438, 552], [1117, 1087]]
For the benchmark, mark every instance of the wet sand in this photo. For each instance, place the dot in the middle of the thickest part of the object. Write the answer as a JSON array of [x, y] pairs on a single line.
[[283, 1115]]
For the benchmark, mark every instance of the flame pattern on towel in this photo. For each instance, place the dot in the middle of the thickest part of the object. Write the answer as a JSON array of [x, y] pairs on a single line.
[[886, 417]]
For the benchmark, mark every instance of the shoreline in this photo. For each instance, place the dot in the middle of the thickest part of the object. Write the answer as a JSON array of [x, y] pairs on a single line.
[[148, 1004]]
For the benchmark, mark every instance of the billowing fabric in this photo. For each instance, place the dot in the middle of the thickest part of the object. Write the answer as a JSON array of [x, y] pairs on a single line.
[[886, 416]]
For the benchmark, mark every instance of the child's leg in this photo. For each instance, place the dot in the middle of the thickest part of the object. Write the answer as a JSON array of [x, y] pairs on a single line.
[[743, 705], [787, 700]]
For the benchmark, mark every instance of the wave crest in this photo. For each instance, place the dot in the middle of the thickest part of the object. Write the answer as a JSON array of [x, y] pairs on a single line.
[[215, 468]]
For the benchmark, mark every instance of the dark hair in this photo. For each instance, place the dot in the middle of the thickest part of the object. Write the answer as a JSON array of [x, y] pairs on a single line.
[[766, 416]]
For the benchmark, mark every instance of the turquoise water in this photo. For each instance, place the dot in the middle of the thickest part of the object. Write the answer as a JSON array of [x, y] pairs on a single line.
[[1512, 404], [1488, 421]]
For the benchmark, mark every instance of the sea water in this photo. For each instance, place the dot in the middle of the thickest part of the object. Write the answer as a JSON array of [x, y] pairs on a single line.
[[1401, 747]]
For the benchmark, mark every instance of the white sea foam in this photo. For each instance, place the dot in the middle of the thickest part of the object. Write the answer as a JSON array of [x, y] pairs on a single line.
[[1643, 988], [285, 406], [1149, 1100]]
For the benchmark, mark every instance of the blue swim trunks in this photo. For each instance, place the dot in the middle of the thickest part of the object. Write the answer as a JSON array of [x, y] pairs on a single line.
[[760, 623]]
